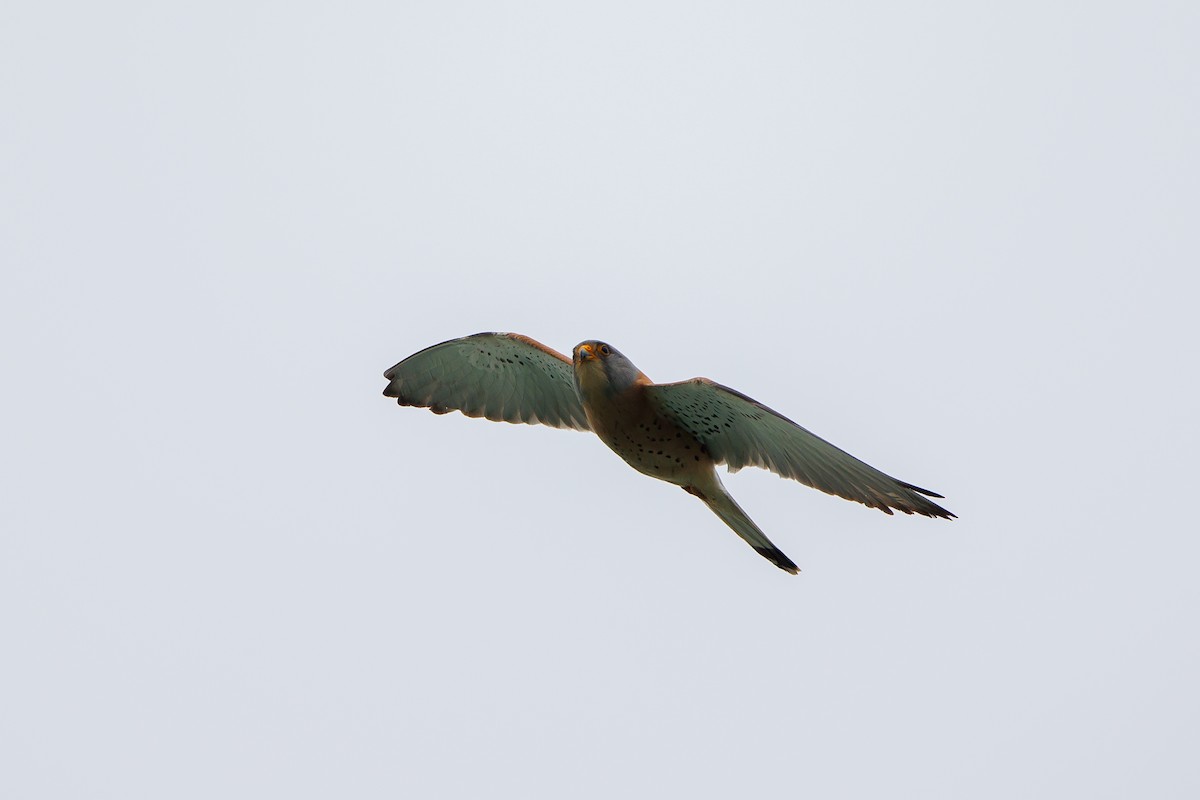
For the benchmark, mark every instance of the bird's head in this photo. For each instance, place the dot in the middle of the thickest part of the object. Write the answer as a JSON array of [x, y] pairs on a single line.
[[599, 367]]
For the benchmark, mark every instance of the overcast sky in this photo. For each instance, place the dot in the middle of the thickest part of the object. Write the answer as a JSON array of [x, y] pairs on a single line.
[[958, 240]]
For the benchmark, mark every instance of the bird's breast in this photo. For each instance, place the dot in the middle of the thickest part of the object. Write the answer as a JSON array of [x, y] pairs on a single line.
[[646, 440]]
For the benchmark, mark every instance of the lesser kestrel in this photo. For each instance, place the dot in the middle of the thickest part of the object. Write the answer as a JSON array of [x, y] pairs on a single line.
[[676, 432]]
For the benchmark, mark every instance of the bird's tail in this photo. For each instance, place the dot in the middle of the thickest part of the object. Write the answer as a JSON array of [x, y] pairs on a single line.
[[725, 507]]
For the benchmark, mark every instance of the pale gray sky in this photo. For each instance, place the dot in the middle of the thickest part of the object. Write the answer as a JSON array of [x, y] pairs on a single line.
[[958, 240]]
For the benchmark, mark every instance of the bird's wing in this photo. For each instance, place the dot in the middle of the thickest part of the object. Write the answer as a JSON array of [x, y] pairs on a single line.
[[739, 432], [502, 376]]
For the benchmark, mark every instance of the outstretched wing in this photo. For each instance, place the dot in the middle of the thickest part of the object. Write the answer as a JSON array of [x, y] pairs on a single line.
[[739, 432], [505, 377]]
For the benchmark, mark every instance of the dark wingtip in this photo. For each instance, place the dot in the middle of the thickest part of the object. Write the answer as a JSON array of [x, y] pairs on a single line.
[[934, 510], [395, 392], [919, 490], [926, 507], [776, 557], [390, 373]]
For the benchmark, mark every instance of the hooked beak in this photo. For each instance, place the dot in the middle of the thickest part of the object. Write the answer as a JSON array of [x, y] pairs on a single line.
[[586, 353]]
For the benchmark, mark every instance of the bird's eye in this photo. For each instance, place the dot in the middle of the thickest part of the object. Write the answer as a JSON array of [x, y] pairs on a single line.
[[605, 350]]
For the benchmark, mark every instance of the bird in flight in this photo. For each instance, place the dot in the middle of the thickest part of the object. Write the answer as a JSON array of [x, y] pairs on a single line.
[[676, 432]]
